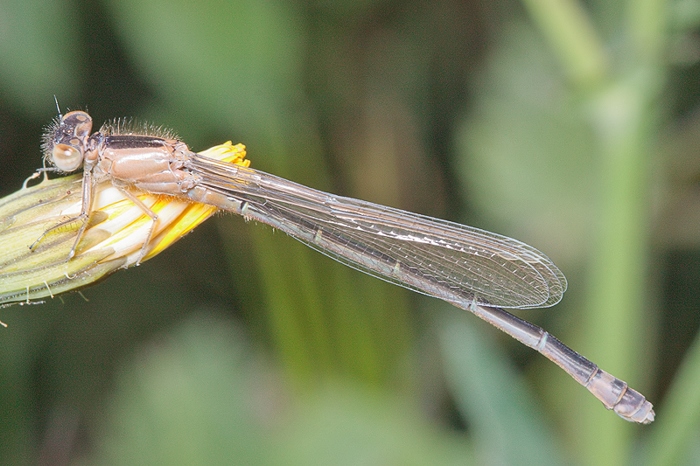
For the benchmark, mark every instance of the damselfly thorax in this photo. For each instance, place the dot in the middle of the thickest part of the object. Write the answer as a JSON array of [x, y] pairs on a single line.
[[121, 152]]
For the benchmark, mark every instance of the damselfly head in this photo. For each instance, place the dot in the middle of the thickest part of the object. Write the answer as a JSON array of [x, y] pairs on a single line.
[[66, 140]]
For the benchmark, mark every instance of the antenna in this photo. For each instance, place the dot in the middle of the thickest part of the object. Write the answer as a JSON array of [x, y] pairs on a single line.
[[60, 115]]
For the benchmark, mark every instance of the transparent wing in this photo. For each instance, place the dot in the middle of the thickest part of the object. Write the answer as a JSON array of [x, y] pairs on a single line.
[[458, 263]]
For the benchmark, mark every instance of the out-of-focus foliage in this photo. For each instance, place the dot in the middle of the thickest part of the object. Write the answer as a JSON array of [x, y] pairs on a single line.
[[568, 125], [234, 409]]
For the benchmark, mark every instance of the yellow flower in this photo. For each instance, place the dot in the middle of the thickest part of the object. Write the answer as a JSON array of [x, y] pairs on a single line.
[[114, 239]]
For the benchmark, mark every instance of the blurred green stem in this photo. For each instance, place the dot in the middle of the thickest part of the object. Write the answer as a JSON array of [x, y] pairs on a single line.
[[648, 28], [623, 118], [568, 29], [679, 425], [615, 311]]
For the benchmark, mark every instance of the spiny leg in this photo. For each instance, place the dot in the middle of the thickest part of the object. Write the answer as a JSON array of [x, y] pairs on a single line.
[[86, 207], [154, 220], [58, 226]]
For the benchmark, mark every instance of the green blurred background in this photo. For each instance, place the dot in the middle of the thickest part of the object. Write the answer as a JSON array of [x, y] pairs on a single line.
[[573, 127]]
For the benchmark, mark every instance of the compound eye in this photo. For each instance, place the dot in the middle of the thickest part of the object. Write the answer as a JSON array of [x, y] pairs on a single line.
[[66, 158], [77, 124]]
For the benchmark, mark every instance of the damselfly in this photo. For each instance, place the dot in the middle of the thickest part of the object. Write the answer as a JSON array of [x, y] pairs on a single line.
[[473, 269]]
